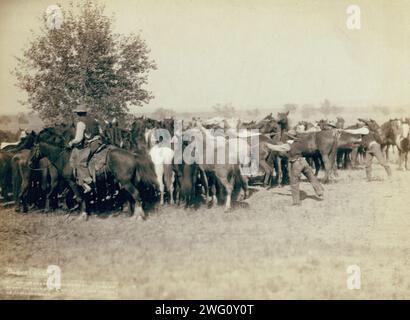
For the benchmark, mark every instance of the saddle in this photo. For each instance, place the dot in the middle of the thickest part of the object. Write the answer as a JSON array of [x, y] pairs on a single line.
[[98, 161]]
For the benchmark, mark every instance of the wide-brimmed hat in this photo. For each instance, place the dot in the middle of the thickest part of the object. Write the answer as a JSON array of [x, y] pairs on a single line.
[[80, 108]]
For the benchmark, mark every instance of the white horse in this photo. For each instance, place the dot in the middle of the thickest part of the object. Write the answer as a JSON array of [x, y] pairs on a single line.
[[162, 157], [23, 134], [401, 131]]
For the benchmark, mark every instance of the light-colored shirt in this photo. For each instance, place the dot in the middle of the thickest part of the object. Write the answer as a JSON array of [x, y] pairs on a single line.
[[79, 133]]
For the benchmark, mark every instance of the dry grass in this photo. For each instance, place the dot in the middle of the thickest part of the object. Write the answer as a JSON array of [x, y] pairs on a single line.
[[271, 250]]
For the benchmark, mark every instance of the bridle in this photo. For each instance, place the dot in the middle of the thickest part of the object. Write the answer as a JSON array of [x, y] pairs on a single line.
[[37, 155]]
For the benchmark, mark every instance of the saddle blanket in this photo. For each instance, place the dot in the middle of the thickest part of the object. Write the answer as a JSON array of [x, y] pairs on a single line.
[[285, 147], [98, 161], [362, 131]]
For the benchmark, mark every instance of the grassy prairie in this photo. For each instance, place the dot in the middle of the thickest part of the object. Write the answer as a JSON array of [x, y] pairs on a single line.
[[269, 250]]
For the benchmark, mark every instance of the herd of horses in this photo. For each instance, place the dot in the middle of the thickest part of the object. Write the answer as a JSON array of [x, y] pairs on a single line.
[[138, 173]]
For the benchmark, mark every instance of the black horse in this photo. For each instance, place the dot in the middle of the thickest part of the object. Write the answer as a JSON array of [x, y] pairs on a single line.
[[133, 172]]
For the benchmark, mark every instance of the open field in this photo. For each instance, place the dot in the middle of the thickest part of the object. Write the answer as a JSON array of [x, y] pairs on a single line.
[[271, 250]]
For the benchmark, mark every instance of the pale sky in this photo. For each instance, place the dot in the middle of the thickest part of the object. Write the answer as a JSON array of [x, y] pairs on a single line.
[[249, 53]]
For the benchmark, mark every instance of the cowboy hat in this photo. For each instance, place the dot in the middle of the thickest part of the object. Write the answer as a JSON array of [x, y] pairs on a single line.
[[80, 108]]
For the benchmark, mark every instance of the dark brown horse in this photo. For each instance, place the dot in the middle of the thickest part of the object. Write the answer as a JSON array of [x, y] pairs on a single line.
[[387, 136], [401, 136], [5, 174], [20, 173], [323, 143], [131, 171], [273, 131]]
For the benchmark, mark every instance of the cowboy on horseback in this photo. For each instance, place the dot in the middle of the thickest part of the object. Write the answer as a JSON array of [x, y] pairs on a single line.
[[86, 142]]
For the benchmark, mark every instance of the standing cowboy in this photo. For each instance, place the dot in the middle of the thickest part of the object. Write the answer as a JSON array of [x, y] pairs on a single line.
[[298, 165], [86, 142], [372, 143]]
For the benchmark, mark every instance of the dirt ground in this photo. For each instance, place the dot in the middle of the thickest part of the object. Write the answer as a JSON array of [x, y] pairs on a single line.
[[269, 250]]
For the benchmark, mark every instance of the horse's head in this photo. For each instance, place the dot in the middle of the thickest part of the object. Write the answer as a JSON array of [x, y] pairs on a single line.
[[150, 123], [168, 124], [400, 129], [340, 123], [28, 141], [282, 120], [371, 124], [324, 124], [269, 126], [269, 117]]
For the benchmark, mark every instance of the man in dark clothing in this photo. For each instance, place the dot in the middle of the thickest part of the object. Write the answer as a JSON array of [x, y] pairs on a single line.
[[298, 166], [85, 143], [373, 149]]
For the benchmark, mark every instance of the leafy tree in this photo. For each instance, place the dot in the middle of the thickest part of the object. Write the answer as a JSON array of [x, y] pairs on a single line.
[[84, 61]]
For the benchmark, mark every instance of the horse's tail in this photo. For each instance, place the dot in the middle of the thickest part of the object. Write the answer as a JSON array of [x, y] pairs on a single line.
[[405, 144], [145, 173], [333, 150], [16, 178]]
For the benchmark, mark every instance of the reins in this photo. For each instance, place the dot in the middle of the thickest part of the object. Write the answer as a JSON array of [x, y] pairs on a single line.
[[50, 162]]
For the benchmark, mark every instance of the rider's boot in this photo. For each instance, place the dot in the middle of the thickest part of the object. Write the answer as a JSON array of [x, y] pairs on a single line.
[[86, 187]]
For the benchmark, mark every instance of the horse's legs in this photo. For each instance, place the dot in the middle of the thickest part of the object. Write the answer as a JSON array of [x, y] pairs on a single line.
[[385, 150], [17, 181], [276, 165], [375, 150], [24, 188], [328, 167], [317, 163], [169, 181], [245, 184], [400, 161], [161, 190], [355, 157], [204, 181], [212, 190], [159, 171], [229, 189], [138, 211], [22, 197], [279, 177], [335, 168], [267, 169], [51, 192]]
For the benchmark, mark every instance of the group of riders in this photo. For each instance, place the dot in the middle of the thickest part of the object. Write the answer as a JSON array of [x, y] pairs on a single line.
[[287, 152]]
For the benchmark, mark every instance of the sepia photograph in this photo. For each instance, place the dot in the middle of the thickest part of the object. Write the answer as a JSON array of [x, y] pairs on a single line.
[[204, 150]]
